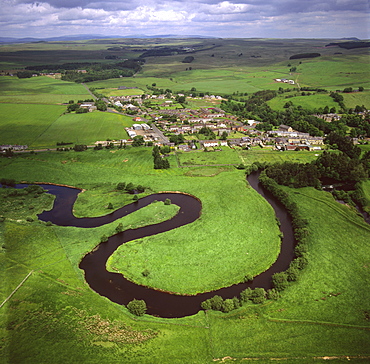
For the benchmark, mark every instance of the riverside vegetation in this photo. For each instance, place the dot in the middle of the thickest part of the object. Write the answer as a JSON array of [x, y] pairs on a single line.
[[323, 310]]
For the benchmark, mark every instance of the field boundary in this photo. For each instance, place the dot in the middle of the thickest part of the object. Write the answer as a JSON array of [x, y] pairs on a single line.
[[347, 357], [318, 323], [16, 289]]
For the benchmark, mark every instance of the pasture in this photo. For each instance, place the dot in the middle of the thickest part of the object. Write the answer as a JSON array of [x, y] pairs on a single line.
[[40, 90], [84, 129], [33, 114], [43, 126], [312, 102], [25, 123], [221, 66]]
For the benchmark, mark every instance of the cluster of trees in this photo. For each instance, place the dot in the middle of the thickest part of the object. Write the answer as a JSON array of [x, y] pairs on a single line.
[[340, 167], [177, 139], [94, 71], [294, 174], [80, 147], [281, 280], [336, 166], [130, 187], [76, 108], [338, 98], [32, 190], [343, 143], [256, 295], [159, 161], [101, 105], [25, 74], [208, 132], [303, 120], [305, 55], [137, 141]]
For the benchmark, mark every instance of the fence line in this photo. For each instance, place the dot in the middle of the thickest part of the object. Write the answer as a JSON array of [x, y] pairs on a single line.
[[15, 290]]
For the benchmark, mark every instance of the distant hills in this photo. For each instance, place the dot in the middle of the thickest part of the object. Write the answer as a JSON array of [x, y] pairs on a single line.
[[92, 36]]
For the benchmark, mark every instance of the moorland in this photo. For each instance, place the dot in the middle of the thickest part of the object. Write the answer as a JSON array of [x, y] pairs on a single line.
[[318, 309]]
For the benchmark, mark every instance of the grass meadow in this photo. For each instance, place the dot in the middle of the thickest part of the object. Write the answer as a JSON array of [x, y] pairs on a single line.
[[32, 114], [40, 90], [84, 129], [335, 72], [312, 102], [310, 320], [25, 123]]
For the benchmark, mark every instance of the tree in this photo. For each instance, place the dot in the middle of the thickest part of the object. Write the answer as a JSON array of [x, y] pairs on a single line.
[[137, 307], [138, 141], [130, 187], [79, 147], [119, 228], [228, 305], [272, 294], [121, 186], [101, 105], [258, 295], [246, 295], [24, 74], [280, 281], [248, 278], [224, 135], [110, 206]]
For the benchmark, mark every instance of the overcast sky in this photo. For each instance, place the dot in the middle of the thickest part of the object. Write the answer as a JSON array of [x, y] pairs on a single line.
[[226, 19]]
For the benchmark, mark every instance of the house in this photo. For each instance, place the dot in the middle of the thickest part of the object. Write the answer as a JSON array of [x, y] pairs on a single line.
[[145, 126], [131, 133], [118, 103], [184, 147], [286, 128], [208, 143]]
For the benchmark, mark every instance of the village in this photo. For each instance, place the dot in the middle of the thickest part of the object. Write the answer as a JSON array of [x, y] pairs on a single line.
[[204, 128], [165, 119]]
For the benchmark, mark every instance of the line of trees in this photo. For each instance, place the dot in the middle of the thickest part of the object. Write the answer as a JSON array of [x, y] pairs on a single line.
[[160, 162]]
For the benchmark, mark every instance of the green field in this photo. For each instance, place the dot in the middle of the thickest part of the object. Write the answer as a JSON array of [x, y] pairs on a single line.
[[40, 90], [33, 116], [310, 320], [24, 124], [43, 126], [335, 72], [312, 102], [116, 92], [85, 129]]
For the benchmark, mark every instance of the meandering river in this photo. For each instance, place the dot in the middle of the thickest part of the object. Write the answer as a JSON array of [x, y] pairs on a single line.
[[118, 289]]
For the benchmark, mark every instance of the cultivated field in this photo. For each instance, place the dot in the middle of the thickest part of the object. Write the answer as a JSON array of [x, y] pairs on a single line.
[[33, 115]]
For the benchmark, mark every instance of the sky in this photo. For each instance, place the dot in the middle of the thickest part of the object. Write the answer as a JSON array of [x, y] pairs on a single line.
[[224, 19]]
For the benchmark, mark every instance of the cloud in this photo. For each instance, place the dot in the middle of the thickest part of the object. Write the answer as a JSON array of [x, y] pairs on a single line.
[[242, 18]]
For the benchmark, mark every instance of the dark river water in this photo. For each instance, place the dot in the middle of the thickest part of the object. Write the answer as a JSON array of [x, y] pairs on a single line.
[[118, 289]]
